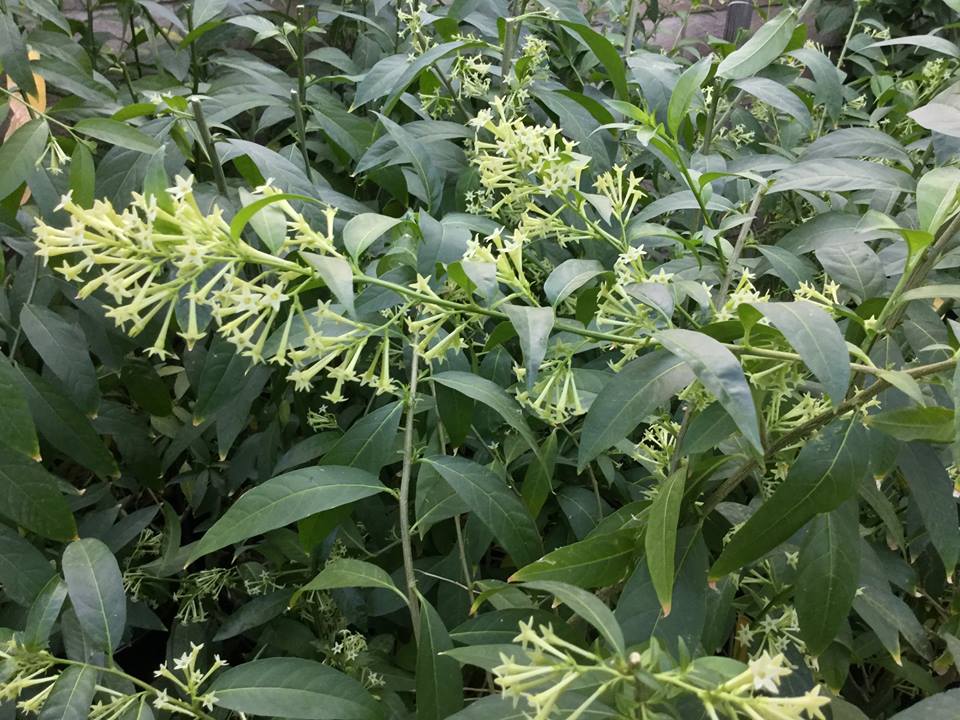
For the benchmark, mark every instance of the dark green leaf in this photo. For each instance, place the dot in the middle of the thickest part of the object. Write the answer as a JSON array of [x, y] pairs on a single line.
[[285, 499], [29, 496], [827, 575], [596, 561], [63, 347], [293, 688], [95, 587], [19, 154], [814, 335], [439, 686], [497, 506], [720, 372], [638, 390], [827, 472], [72, 695], [660, 538]]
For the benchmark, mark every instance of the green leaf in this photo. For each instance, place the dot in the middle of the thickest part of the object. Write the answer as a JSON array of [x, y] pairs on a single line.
[[938, 196], [20, 153], [721, 374], [932, 492], [206, 10], [82, 176], [370, 443], [361, 231], [568, 277], [635, 392], [493, 396], [828, 79], [95, 587], [497, 506], [763, 48], [223, 372], [686, 89], [533, 326], [253, 614], [44, 612], [13, 56], [934, 424], [117, 133], [391, 75], [857, 142], [415, 152], [778, 97], [840, 175], [587, 606], [29, 496], [63, 348], [827, 472], [336, 275], [439, 684], [71, 695], [606, 53], [250, 211], [284, 500], [939, 707], [16, 424], [818, 340], [291, 687], [347, 573], [24, 571], [660, 539], [827, 575], [597, 561], [927, 42], [62, 424]]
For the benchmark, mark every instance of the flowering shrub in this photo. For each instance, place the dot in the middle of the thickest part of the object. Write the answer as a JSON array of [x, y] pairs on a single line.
[[478, 359]]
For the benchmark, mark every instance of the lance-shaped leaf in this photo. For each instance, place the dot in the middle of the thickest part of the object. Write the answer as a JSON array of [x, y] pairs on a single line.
[[95, 587], [29, 496], [361, 231], [497, 506], [720, 372], [295, 688], [596, 561], [533, 326], [589, 607], [932, 491], [439, 684], [761, 49], [347, 572], [686, 89], [16, 424], [336, 275], [63, 347], [568, 277], [660, 539], [828, 571], [24, 571], [493, 396], [284, 500], [827, 472], [628, 397], [71, 695], [817, 338]]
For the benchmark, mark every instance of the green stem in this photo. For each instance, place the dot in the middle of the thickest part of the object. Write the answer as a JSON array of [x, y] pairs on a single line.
[[209, 147], [301, 132], [404, 499], [631, 30]]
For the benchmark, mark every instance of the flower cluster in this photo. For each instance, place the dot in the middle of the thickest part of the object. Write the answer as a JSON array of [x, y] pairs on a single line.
[[552, 667], [520, 163], [163, 260], [187, 679]]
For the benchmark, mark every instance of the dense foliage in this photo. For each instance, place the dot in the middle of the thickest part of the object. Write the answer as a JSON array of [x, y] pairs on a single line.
[[372, 359]]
